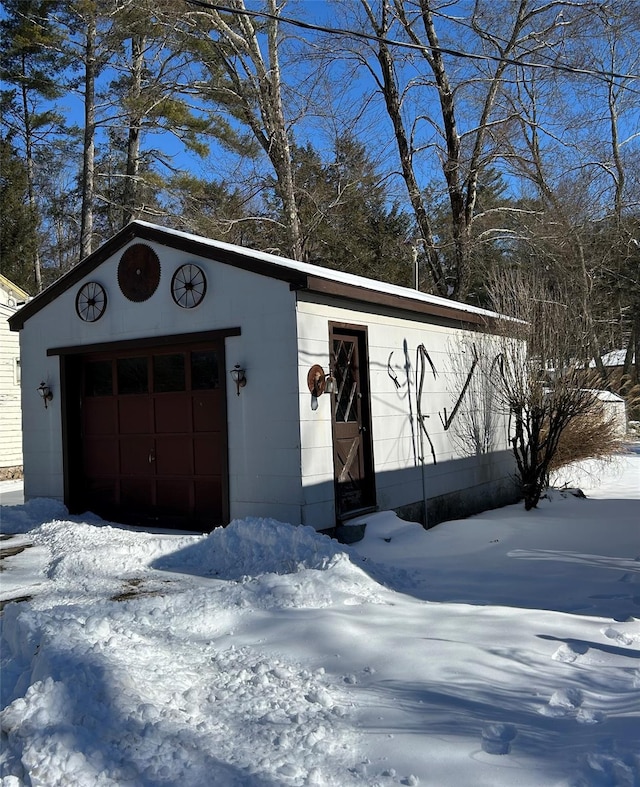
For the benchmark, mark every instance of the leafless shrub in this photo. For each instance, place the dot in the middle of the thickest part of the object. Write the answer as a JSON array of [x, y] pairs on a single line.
[[592, 435], [541, 365], [630, 392]]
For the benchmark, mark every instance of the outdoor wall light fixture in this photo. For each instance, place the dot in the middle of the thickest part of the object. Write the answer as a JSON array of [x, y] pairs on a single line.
[[319, 383], [45, 392], [239, 377]]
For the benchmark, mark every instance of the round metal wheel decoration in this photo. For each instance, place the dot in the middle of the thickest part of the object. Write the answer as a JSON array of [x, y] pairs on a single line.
[[139, 272], [91, 301], [188, 286]]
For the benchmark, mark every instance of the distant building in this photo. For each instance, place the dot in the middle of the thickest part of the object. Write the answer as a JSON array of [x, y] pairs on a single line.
[[11, 298], [612, 360], [615, 409]]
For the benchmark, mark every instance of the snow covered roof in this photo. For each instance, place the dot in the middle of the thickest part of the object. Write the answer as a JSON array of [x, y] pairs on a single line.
[[607, 396], [613, 358], [299, 275]]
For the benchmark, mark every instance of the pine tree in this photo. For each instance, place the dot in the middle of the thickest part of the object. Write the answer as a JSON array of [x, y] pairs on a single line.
[[18, 221], [30, 65]]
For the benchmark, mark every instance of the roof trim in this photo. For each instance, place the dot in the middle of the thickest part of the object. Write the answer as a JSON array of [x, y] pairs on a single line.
[[9, 285], [379, 298], [299, 276], [147, 342]]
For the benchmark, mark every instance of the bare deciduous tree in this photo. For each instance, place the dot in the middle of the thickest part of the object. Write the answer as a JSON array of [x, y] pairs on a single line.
[[253, 91], [540, 379], [444, 107]]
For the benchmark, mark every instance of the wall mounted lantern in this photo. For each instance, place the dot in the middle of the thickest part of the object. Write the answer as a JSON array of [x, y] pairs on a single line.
[[239, 377], [319, 383], [330, 386], [45, 392]]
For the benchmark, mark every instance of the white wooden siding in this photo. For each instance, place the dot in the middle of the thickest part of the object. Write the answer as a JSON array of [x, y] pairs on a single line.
[[263, 435], [10, 411], [397, 448]]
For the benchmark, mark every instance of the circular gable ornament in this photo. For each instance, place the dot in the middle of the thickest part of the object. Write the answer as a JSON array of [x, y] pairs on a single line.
[[188, 286], [139, 272], [91, 301]]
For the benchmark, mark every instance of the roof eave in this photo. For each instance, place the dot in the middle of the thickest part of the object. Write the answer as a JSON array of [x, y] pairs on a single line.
[[136, 230], [258, 264], [393, 301]]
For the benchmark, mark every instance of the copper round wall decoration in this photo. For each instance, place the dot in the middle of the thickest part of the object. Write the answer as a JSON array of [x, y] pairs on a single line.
[[316, 380], [139, 272]]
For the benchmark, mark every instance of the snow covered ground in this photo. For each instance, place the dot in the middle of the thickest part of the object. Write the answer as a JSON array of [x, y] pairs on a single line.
[[503, 649]]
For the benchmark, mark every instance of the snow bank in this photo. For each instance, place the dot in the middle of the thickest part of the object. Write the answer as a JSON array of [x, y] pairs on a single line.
[[254, 546], [266, 655], [22, 519]]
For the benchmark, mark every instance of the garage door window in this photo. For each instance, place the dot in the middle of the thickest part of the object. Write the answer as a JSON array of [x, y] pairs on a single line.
[[133, 376], [168, 373], [98, 378], [204, 371]]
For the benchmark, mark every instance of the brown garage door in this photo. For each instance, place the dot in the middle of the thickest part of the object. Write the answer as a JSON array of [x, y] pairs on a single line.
[[153, 427]]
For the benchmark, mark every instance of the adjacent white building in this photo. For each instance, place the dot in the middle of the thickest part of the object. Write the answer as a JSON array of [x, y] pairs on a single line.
[[11, 298], [178, 380]]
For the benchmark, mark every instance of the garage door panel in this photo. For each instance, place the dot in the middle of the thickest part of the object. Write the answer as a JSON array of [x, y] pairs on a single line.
[[102, 493], [101, 456], [136, 494], [207, 412], [135, 415], [136, 456], [174, 455], [101, 415], [174, 497], [207, 455], [208, 496], [172, 413]]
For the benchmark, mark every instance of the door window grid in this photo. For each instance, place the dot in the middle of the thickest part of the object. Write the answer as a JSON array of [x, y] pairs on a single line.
[[346, 395]]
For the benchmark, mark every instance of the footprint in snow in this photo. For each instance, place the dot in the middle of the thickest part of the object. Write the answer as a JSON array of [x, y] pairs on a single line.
[[567, 703], [496, 738], [618, 636], [564, 702], [569, 653]]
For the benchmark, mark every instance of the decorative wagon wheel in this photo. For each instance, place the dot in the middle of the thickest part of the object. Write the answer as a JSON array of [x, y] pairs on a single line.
[[188, 286], [91, 301]]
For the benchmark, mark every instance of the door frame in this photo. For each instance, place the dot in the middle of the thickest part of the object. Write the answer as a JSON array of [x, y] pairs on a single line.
[[71, 361], [360, 334]]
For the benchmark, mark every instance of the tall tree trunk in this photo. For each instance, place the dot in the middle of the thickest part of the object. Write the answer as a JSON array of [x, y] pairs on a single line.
[[129, 201], [88, 153], [28, 146], [391, 95], [280, 139], [257, 98]]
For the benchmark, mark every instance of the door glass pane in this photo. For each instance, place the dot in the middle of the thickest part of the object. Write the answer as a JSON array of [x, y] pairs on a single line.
[[346, 399], [132, 376], [204, 370], [168, 373], [98, 378]]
